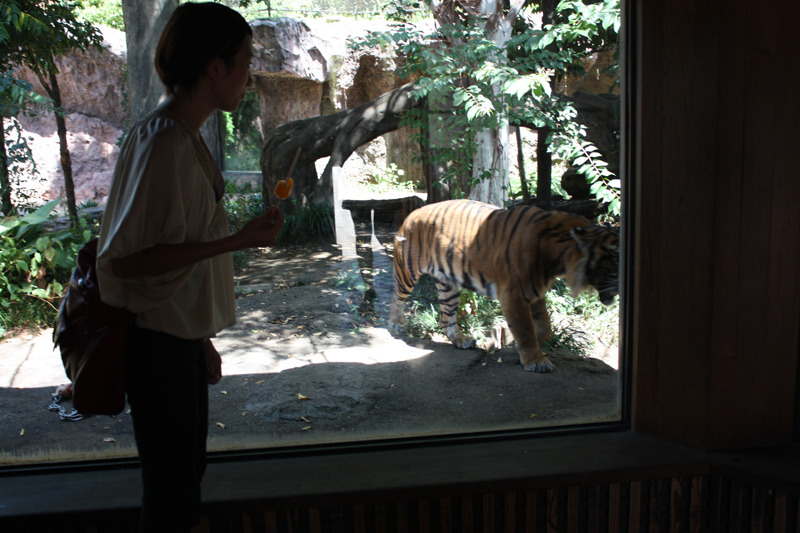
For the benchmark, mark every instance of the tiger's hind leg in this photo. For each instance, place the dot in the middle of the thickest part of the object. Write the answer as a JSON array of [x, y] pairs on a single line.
[[395, 324], [448, 303], [402, 290], [404, 280]]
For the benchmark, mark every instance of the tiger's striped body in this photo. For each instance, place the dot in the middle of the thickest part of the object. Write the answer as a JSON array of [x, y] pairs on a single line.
[[512, 255]]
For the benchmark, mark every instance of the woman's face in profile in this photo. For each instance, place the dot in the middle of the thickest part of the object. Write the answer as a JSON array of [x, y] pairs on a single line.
[[235, 81]]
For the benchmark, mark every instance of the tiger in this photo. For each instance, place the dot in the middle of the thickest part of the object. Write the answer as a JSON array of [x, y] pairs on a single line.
[[513, 255]]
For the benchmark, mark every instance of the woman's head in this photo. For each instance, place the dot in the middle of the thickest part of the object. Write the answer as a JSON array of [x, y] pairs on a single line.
[[194, 36]]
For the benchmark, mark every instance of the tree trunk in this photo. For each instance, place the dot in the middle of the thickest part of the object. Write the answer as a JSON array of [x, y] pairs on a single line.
[[54, 92], [66, 160], [337, 135], [5, 182], [544, 168], [523, 180], [490, 163], [544, 160], [144, 21]]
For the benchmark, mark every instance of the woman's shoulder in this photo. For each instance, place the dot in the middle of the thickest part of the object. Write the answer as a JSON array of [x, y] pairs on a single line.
[[159, 135], [158, 125]]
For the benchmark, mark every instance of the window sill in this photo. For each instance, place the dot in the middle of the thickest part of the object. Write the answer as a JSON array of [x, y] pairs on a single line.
[[506, 465]]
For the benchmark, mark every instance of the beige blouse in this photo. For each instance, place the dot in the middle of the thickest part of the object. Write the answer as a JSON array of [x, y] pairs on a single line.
[[163, 192]]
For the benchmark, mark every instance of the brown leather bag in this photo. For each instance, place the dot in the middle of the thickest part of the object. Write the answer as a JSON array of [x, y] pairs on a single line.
[[91, 335]]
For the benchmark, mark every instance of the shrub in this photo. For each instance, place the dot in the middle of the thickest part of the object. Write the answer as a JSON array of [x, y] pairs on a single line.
[[35, 265], [306, 224], [242, 204], [578, 323]]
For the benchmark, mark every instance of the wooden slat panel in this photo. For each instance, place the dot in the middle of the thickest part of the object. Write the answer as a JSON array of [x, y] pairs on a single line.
[[510, 512], [594, 509], [531, 511], [552, 511], [445, 515], [573, 509], [614, 508], [635, 506], [698, 496]]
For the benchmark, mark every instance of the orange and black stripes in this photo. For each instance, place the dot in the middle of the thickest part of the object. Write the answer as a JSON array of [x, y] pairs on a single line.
[[477, 246]]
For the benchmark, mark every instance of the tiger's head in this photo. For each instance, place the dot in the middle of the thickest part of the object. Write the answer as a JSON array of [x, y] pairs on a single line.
[[598, 263]]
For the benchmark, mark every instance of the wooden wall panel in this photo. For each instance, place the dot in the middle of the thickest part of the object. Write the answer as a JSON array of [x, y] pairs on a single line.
[[717, 297], [672, 306], [756, 287]]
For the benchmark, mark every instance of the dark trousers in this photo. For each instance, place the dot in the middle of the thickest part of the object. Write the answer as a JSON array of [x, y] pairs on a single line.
[[165, 381]]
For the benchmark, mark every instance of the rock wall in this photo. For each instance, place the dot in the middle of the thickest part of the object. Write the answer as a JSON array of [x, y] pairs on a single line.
[[299, 73], [93, 82]]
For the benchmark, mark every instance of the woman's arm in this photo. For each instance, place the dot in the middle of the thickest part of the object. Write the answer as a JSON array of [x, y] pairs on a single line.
[[163, 258]]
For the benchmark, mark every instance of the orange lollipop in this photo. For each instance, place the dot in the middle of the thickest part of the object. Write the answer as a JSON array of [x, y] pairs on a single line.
[[284, 188]]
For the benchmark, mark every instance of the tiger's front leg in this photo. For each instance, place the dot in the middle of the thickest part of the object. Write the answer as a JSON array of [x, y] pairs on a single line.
[[448, 304], [527, 322]]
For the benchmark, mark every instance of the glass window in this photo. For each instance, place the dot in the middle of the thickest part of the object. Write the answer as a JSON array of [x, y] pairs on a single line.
[[312, 359]]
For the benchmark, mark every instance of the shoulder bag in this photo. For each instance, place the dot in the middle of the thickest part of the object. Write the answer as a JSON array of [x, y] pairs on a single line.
[[91, 336]]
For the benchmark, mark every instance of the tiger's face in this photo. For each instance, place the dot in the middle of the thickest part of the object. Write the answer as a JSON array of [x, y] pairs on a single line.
[[599, 246]]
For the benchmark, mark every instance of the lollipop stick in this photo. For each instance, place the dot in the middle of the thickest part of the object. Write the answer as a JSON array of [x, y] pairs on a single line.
[[284, 187]]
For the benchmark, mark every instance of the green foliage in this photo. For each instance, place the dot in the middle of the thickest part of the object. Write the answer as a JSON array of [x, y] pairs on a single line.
[[473, 84], [15, 18], [350, 280], [580, 29], [579, 323], [35, 265], [306, 224], [242, 204], [242, 135], [106, 12], [16, 96], [33, 33], [19, 167], [389, 180], [300, 224], [422, 308], [403, 10]]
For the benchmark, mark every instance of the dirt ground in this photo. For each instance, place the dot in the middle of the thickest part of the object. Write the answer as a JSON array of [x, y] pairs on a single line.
[[310, 361]]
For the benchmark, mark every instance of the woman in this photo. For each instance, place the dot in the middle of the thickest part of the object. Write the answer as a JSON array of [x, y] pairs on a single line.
[[164, 254]]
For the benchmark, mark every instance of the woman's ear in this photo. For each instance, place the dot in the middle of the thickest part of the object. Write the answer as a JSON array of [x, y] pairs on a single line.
[[216, 68]]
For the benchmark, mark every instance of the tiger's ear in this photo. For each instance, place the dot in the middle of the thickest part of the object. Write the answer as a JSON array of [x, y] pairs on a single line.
[[582, 237]]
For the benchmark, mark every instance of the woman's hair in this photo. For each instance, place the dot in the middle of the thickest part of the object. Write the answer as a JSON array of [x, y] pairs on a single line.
[[194, 35]]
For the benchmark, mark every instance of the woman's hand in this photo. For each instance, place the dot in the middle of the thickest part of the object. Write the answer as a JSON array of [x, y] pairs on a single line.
[[263, 230], [213, 363]]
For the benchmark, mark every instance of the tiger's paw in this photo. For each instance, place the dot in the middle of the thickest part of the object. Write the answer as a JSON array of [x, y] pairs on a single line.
[[457, 337], [465, 343], [542, 365], [459, 340]]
